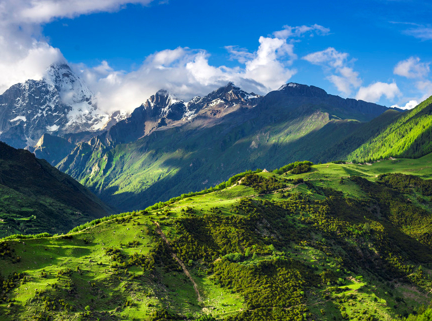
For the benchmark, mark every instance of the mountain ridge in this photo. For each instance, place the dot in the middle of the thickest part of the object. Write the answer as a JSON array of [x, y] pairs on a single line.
[[408, 136], [37, 197], [220, 140]]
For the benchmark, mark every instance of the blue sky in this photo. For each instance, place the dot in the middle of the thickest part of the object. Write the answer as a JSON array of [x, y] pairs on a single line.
[[348, 48]]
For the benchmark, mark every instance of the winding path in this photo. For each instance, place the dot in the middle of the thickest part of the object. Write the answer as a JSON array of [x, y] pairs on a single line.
[[185, 270]]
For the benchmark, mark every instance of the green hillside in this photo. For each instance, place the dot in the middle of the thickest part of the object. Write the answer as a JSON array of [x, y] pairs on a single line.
[[36, 197], [409, 136], [148, 157], [361, 135], [321, 242], [196, 156]]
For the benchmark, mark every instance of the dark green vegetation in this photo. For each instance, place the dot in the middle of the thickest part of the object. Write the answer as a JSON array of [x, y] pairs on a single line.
[[409, 136], [306, 242], [132, 167], [52, 148], [35, 197]]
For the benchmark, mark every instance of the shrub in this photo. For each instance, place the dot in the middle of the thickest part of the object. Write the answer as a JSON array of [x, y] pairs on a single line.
[[291, 166]]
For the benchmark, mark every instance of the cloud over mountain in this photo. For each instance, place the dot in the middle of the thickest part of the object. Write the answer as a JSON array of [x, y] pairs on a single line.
[[183, 71], [375, 91], [187, 72], [25, 53]]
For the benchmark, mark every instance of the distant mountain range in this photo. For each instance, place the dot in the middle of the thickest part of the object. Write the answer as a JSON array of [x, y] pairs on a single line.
[[169, 146], [333, 241]]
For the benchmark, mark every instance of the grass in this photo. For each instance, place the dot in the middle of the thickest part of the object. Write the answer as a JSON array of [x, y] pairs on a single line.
[[95, 282], [407, 136]]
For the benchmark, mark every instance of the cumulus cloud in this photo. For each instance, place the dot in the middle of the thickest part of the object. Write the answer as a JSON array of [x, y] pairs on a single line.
[[425, 87], [42, 11], [409, 105], [342, 76], [25, 53], [412, 68], [30, 66], [186, 73], [375, 91]]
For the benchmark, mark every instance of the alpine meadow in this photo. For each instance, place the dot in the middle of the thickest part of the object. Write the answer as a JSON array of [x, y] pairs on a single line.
[[157, 162]]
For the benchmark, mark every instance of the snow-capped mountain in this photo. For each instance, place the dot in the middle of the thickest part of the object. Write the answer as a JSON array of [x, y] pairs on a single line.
[[164, 109], [165, 105], [59, 103]]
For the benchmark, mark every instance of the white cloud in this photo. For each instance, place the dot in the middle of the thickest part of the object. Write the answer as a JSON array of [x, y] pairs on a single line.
[[290, 32], [32, 66], [409, 105], [412, 68], [183, 71], [375, 91], [42, 11], [329, 56], [25, 54], [239, 54], [267, 67], [425, 86], [187, 72], [343, 77], [421, 32]]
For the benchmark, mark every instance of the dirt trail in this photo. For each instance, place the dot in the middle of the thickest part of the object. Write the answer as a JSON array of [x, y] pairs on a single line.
[[185, 270]]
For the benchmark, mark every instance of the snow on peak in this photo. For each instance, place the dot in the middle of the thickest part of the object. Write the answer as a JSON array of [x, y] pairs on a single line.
[[70, 87], [18, 118], [290, 84], [162, 99], [194, 100], [74, 93], [53, 128]]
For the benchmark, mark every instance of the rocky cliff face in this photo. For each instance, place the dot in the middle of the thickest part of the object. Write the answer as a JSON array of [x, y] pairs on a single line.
[[60, 103], [165, 110]]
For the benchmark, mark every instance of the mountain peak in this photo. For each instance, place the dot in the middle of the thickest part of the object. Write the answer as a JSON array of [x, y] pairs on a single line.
[[296, 89], [162, 99], [230, 93], [231, 85], [228, 87], [68, 84], [162, 92], [60, 102]]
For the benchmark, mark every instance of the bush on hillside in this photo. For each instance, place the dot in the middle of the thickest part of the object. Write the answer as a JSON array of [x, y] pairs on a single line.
[[291, 166]]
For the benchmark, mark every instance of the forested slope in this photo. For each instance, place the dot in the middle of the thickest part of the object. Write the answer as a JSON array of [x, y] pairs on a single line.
[[36, 197], [307, 242], [409, 136]]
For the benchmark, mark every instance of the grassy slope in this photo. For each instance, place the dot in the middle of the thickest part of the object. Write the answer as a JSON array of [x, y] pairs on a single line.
[[360, 136], [35, 197], [175, 161], [408, 136], [347, 270]]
